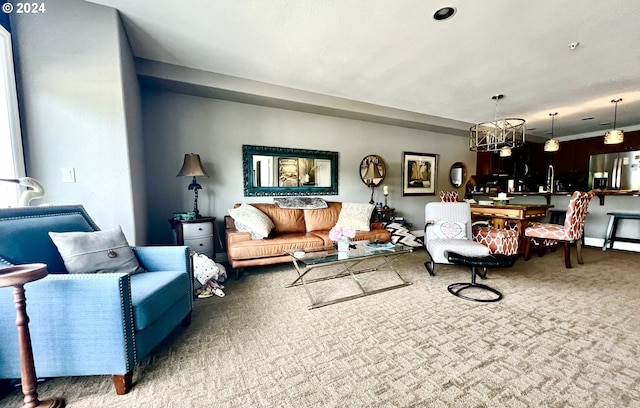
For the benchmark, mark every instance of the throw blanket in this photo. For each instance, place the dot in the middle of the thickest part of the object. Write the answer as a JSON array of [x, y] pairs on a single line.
[[401, 235], [305, 203]]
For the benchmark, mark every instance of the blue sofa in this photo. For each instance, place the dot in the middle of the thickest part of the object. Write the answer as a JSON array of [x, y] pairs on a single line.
[[88, 324]]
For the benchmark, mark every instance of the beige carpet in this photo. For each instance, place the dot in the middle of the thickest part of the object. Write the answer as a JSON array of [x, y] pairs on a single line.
[[559, 338]]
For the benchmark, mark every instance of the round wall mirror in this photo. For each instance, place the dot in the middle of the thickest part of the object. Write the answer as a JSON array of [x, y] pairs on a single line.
[[372, 170], [457, 174]]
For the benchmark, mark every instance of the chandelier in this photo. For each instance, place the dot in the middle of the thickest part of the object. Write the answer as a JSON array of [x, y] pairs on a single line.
[[614, 136], [499, 135], [552, 145]]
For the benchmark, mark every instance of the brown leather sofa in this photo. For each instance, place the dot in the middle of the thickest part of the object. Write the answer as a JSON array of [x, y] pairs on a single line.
[[294, 229]]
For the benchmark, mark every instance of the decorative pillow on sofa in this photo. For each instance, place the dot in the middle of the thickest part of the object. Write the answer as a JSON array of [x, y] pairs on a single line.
[[401, 235], [252, 218], [356, 216], [449, 229], [96, 252], [242, 227]]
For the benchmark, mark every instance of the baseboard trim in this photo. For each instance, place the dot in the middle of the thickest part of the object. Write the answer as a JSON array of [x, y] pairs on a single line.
[[625, 246]]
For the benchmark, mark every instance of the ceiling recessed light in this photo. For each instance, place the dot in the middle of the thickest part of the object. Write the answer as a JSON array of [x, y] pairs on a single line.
[[605, 123], [444, 13], [588, 118], [548, 133], [532, 128]]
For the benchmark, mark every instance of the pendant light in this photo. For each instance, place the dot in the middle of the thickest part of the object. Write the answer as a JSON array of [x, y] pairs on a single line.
[[552, 145], [614, 136], [499, 135], [505, 151]]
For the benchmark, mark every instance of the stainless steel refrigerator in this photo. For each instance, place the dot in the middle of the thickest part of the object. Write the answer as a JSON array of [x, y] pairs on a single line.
[[615, 171]]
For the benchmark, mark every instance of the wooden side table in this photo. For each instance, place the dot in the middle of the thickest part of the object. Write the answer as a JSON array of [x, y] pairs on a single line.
[[381, 214], [17, 276], [197, 234]]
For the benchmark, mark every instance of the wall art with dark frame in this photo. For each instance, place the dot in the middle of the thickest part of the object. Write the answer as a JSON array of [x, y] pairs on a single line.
[[419, 173]]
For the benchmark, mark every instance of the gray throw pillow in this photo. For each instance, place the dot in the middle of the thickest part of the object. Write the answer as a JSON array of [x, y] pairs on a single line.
[[96, 252]]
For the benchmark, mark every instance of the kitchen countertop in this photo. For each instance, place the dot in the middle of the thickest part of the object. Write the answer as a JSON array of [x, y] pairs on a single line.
[[600, 193]]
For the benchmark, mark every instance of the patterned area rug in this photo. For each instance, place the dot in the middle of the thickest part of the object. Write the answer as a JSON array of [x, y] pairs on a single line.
[[559, 338]]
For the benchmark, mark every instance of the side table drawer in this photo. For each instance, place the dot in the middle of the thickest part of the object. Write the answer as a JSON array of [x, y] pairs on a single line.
[[200, 244], [197, 230]]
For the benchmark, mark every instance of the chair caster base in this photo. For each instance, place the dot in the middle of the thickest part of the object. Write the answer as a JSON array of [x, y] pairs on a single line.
[[456, 288]]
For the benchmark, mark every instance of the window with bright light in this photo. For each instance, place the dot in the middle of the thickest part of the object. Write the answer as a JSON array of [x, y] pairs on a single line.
[[11, 157]]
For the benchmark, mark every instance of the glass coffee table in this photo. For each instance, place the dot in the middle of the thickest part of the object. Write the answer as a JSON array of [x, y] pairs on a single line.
[[310, 259]]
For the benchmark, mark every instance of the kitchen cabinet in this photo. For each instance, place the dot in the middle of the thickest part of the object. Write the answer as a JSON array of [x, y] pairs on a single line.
[[570, 163]]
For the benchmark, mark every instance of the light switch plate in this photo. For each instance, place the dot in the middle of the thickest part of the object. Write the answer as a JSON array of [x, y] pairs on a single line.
[[68, 175]]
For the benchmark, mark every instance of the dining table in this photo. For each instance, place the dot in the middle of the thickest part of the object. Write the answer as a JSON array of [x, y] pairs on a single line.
[[520, 214]]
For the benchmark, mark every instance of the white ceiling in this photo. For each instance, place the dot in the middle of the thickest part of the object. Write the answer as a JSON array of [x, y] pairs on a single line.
[[393, 53]]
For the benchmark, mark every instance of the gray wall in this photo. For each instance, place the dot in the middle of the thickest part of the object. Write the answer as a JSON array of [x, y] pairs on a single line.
[[80, 108], [175, 124]]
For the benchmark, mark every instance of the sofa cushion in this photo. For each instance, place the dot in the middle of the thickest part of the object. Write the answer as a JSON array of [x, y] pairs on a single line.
[[96, 252], [273, 246], [153, 293], [356, 216], [284, 219], [253, 218], [322, 219], [438, 248]]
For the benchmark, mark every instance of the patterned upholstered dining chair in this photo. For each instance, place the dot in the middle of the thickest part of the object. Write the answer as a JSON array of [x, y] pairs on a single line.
[[571, 231], [448, 196]]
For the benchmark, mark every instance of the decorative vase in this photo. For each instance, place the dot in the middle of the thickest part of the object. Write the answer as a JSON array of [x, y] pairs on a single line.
[[343, 244]]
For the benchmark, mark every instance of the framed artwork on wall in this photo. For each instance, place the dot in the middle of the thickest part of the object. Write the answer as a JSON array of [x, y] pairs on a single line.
[[419, 173], [288, 172]]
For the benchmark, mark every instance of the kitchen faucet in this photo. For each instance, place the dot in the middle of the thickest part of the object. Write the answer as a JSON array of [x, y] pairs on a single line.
[[550, 178]]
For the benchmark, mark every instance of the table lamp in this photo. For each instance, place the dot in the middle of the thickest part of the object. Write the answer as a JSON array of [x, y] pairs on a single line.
[[372, 173], [192, 167]]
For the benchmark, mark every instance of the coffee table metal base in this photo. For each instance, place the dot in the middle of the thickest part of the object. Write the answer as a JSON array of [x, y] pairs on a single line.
[[349, 265]]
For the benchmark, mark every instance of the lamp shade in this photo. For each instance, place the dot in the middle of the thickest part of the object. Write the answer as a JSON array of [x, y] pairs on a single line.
[[551, 145], [614, 137], [372, 172], [192, 166], [505, 151]]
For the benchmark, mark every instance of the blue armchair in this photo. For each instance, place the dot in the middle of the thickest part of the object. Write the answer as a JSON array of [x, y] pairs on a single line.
[[88, 324]]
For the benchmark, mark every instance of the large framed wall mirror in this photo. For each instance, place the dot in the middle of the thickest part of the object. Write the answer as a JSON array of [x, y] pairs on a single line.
[[282, 171], [458, 174]]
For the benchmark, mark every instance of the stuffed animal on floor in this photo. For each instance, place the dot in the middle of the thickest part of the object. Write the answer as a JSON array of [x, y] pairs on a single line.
[[208, 273]]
